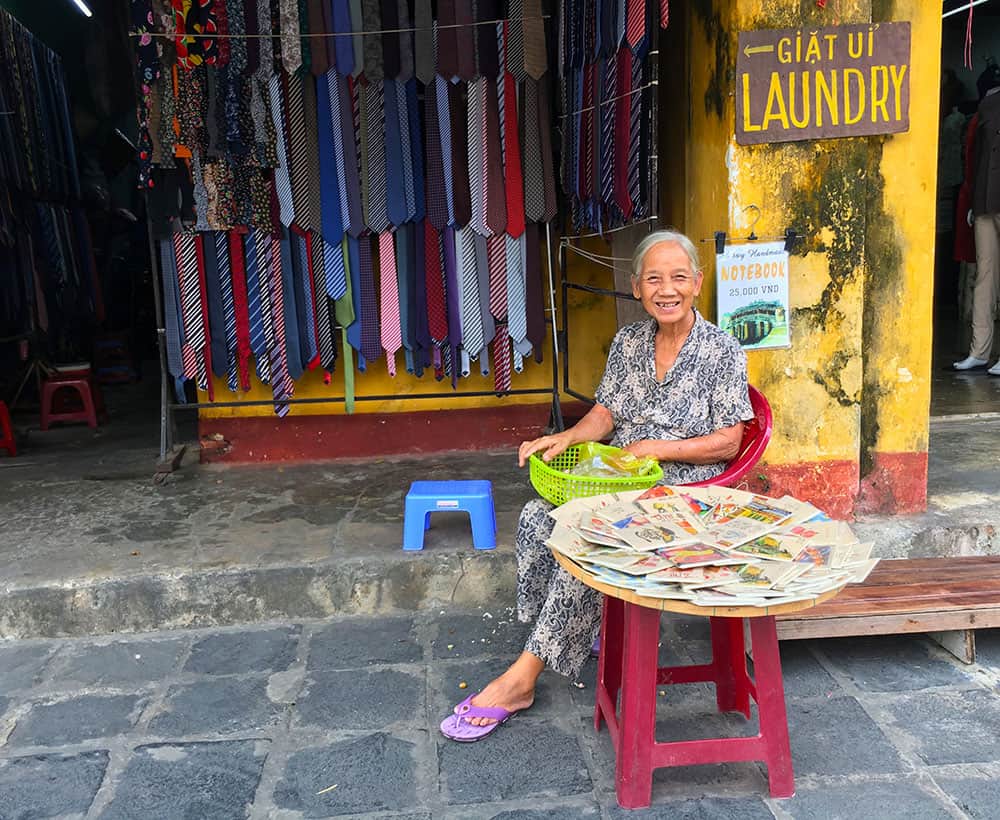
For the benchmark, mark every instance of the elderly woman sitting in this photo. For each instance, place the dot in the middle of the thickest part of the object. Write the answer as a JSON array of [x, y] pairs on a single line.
[[675, 388]]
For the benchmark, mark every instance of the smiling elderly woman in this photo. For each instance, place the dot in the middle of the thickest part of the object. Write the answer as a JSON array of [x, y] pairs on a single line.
[[675, 388]]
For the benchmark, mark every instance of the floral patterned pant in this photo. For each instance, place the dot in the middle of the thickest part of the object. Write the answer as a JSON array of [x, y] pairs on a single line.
[[567, 613]]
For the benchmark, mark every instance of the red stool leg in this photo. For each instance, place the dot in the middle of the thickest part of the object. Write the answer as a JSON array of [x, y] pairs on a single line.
[[7, 441], [633, 767], [732, 691], [87, 397], [48, 391], [609, 661], [771, 706]]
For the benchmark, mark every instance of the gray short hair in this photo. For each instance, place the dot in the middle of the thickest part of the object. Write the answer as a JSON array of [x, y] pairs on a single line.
[[655, 238]]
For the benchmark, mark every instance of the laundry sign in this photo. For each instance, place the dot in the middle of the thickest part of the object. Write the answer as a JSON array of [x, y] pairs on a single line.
[[840, 81]]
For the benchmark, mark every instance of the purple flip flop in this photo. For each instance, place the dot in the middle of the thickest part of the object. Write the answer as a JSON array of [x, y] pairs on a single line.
[[457, 726]]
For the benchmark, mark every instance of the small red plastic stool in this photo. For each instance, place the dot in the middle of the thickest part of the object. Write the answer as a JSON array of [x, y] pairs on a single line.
[[80, 380], [628, 663], [7, 431]]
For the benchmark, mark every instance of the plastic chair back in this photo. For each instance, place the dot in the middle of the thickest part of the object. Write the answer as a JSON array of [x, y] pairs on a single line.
[[756, 435]]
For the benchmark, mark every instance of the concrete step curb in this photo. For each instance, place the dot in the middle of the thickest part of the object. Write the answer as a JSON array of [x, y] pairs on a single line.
[[357, 586]]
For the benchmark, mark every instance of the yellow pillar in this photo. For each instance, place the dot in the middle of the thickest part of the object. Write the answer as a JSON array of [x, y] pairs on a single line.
[[851, 394]]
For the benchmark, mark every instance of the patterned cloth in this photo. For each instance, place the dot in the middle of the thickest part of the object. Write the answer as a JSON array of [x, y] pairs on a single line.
[[704, 391], [567, 613]]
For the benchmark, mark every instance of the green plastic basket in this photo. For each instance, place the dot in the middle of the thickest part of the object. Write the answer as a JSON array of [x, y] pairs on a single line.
[[553, 483]]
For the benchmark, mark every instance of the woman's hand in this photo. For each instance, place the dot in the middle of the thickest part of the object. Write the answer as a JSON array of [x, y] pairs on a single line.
[[646, 448], [549, 446]]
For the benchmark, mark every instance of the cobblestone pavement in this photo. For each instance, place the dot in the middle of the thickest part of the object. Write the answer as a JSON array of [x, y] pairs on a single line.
[[339, 719]]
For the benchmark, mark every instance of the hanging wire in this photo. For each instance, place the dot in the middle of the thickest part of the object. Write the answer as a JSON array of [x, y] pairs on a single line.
[[318, 34], [571, 237], [610, 100]]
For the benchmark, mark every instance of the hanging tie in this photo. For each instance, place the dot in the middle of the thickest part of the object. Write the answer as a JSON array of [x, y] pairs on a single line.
[[513, 182], [239, 286], [343, 46], [460, 170], [635, 25], [406, 148], [607, 163], [487, 58], [331, 174], [373, 41], [548, 164], [282, 176], [205, 360], [282, 385], [391, 333], [405, 41], [621, 19], [291, 45], [257, 305], [324, 324], [194, 339], [495, 196], [371, 345], [298, 153], [533, 290], [515, 39], [171, 309], [635, 121], [664, 13], [437, 311], [453, 291], [476, 124], [390, 38], [439, 207], [517, 319], [305, 310], [623, 132], [228, 309], [349, 249], [470, 308], [533, 28], [483, 279], [376, 214], [534, 176], [416, 152], [395, 193], [425, 57], [501, 360], [358, 40]]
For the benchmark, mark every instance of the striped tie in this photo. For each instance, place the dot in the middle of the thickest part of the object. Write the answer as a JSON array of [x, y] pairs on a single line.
[[622, 131], [517, 318], [184, 248], [298, 153], [476, 120], [635, 121], [501, 360], [635, 25], [391, 332], [664, 13], [394, 149], [324, 325], [282, 385], [282, 175], [515, 39], [201, 345], [436, 206], [376, 215], [257, 307], [607, 164], [228, 308], [470, 308], [496, 254]]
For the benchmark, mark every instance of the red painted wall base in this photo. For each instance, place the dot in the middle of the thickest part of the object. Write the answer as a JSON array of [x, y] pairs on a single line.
[[364, 435], [830, 485], [897, 484]]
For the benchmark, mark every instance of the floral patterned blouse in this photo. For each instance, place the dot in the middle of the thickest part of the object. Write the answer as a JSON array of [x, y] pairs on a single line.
[[704, 391]]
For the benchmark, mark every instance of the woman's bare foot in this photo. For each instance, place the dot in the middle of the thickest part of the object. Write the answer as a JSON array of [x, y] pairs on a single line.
[[513, 690]]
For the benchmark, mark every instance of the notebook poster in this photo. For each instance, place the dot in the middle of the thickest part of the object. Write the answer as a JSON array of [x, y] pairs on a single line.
[[752, 294], [839, 81]]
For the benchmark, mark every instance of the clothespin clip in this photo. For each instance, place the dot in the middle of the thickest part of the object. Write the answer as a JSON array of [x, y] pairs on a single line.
[[720, 242], [791, 237]]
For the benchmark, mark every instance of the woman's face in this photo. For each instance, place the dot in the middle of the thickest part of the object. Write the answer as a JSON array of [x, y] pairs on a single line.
[[667, 285]]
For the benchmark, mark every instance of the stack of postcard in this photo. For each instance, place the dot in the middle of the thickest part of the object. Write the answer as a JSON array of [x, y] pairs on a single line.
[[711, 546]]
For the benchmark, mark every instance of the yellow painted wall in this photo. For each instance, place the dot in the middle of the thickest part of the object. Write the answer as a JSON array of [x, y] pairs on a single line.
[[592, 327], [857, 377]]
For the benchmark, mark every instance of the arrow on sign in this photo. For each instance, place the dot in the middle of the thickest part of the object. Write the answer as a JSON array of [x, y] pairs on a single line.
[[748, 50]]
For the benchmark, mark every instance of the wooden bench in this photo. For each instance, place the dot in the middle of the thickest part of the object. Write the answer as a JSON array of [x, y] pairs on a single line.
[[947, 598]]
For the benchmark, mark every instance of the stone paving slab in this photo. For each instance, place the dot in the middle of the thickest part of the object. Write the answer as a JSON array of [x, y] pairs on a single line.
[[339, 718]]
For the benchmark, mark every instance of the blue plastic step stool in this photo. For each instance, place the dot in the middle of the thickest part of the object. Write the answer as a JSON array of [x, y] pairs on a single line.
[[473, 497]]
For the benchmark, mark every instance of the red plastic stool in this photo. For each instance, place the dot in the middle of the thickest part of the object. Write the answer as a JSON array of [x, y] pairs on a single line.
[[628, 663], [80, 380], [6, 431]]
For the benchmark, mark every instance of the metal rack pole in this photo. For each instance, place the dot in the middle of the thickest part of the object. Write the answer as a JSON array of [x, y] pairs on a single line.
[[166, 443]]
